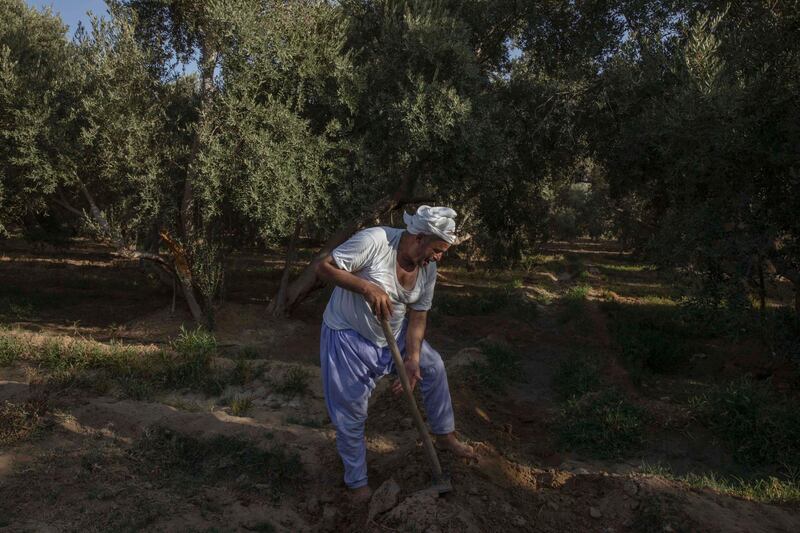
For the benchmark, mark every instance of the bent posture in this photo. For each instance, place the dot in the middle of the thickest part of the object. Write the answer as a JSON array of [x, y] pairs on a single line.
[[380, 272]]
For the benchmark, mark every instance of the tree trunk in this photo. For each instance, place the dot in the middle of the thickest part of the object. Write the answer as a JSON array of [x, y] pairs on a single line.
[[277, 307], [188, 212], [184, 274]]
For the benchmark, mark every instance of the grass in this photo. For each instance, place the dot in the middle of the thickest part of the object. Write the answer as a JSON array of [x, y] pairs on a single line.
[[243, 372], [576, 376], [767, 489], [137, 372], [758, 424], [510, 300], [602, 424], [501, 366], [573, 299], [240, 405], [612, 268], [294, 383], [219, 459], [551, 262], [19, 421], [194, 350], [11, 349]]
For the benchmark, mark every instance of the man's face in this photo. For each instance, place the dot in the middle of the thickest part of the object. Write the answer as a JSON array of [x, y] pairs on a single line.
[[431, 249]]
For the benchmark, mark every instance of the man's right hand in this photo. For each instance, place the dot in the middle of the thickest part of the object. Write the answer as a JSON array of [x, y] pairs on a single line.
[[378, 300]]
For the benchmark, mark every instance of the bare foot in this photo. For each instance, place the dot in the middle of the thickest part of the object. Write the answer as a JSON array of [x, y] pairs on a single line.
[[455, 446], [360, 495]]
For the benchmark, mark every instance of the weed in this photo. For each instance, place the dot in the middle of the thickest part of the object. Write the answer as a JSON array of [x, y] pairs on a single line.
[[240, 405], [576, 376], [191, 365], [136, 388], [760, 425], [502, 366], [243, 372], [612, 268], [191, 344], [215, 460], [573, 303], [11, 349], [530, 262], [765, 489], [294, 383], [18, 421], [603, 424]]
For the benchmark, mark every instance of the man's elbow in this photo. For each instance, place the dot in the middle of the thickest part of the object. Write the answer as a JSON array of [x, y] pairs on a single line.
[[321, 268]]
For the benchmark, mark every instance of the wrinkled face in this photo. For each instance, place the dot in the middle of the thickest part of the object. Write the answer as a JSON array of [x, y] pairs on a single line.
[[430, 249]]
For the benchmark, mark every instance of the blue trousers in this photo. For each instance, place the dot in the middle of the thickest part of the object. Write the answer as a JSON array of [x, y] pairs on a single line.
[[351, 366]]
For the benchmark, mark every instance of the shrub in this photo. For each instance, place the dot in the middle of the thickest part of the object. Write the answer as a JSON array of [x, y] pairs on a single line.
[[757, 423], [295, 382], [602, 424]]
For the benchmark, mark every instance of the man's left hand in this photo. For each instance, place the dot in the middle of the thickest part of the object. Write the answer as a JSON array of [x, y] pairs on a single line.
[[412, 371]]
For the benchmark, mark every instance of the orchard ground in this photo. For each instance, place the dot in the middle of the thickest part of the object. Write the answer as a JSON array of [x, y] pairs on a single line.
[[598, 402]]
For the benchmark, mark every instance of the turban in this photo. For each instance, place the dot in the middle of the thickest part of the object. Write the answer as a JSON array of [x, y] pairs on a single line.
[[433, 221]]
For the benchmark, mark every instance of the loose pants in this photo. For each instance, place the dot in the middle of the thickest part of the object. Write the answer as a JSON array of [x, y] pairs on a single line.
[[351, 366]]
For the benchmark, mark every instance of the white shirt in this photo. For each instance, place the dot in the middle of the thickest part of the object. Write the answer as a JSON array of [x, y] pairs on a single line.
[[371, 254]]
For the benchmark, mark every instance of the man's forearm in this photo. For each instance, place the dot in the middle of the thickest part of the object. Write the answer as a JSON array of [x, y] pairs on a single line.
[[342, 278], [415, 333]]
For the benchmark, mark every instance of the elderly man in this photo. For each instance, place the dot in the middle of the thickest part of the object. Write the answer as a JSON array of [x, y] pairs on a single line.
[[380, 272]]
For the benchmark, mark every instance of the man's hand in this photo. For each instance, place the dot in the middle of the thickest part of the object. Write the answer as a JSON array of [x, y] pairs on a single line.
[[378, 300], [412, 371]]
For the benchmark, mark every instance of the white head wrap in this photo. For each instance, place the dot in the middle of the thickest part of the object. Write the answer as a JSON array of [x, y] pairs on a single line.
[[429, 220]]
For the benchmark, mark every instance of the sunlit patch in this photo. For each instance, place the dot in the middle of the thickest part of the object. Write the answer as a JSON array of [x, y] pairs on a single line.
[[482, 414]]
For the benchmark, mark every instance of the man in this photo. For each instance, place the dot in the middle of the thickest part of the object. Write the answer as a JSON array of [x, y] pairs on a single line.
[[378, 273]]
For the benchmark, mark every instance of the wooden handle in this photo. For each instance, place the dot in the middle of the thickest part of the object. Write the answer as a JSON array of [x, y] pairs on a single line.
[[423, 431]]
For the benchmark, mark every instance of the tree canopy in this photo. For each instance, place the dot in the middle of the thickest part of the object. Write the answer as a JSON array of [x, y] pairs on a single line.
[[673, 126]]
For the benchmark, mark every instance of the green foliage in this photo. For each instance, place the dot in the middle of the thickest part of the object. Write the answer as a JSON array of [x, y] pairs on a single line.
[[243, 372], [602, 424], [138, 373], [574, 300], [502, 366], [11, 349], [240, 405], [765, 489], [35, 85], [294, 382], [190, 366], [758, 424], [700, 154]]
